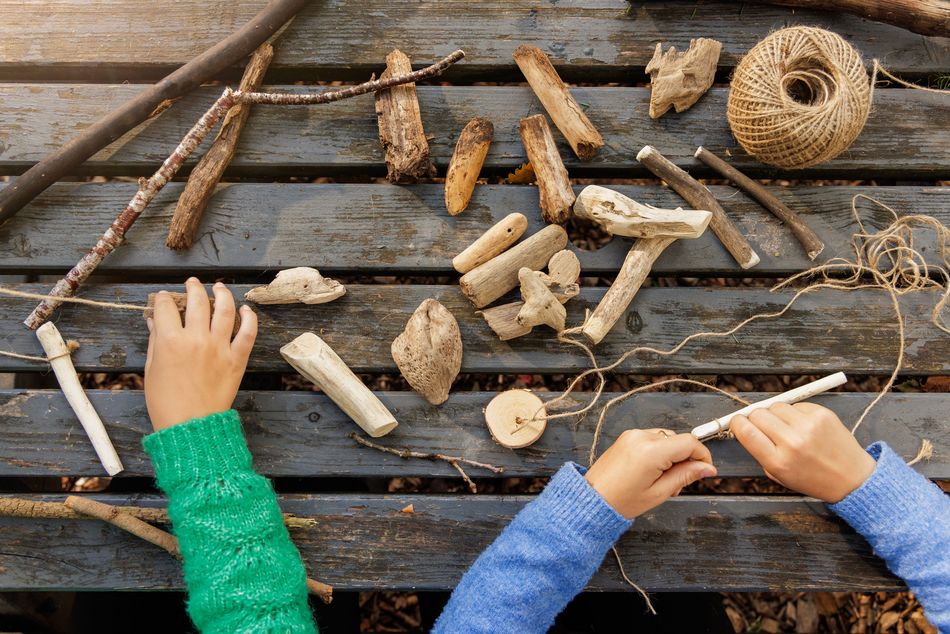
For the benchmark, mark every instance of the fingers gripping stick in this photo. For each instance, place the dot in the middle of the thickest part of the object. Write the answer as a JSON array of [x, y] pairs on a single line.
[[715, 427]]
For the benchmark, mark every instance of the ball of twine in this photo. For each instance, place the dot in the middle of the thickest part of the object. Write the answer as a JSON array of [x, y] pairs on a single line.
[[799, 98]]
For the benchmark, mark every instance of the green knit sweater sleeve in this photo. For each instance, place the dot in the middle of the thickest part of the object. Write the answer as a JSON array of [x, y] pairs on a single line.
[[242, 572]]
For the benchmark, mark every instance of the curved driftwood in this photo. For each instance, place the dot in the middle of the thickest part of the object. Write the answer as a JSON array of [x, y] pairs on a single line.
[[299, 285]]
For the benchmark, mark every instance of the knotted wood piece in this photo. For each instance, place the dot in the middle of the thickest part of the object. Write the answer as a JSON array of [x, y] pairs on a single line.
[[299, 285], [491, 243], [209, 170], [678, 80], [428, 351], [400, 126], [540, 304], [558, 101], [554, 186], [620, 215], [467, 160]]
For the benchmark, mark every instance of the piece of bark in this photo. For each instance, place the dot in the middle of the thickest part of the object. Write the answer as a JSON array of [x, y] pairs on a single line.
[[209, 170], [515, 418], [680, 79], [467, 160], [491, 243], [696, 194], [557, 100], [310, 355], [400, 126], [489, 281], [540, 304], [623, 216], [181, 302], [554, 187], [803, 233], [58, 354], [428, 351], [299, 285]]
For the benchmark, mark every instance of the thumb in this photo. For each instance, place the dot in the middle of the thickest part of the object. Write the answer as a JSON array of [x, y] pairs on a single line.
[[680, 475]]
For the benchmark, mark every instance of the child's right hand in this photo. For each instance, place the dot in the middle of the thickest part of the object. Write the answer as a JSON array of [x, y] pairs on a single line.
[[805, 447]]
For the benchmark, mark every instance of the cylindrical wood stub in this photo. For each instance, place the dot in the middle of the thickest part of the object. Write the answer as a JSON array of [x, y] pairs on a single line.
[[317, 362], [556, 197], [699, 197], [494, 278], [636, 267], [58, 354], [510, 415], [491, 243], [467, 160]]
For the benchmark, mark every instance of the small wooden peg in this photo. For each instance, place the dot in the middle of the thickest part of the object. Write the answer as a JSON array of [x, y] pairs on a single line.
[[516, 418]]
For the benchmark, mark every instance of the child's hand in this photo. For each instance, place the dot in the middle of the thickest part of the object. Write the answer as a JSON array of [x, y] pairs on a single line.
[[805, 447], [645, 467], [195, 370]]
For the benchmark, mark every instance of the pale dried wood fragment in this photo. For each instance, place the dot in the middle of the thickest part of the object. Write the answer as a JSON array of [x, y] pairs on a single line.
[[400, 126], [678, 80], [489, 281], [554, 187], [467, 160], [557, 100], [428, 351], [623, 216], [181, 302], [515, 418], [317, 362], [494, 241], [57, 352], [540, 304], [299, 285]]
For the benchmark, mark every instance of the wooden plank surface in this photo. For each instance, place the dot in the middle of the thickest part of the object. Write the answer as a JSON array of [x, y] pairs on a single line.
[[383, 228], [906, 134], [343, 38], [302, 434], [823, 332], [364, 542]]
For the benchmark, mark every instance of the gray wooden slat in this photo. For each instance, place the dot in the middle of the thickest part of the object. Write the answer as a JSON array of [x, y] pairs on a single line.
[[337, 38], [364, 542], [382, 228], [906, 134], [301, 434], [823, 332]]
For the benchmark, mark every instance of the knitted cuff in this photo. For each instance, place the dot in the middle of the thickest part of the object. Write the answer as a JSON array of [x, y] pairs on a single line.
[[572, 505], [200, 449]]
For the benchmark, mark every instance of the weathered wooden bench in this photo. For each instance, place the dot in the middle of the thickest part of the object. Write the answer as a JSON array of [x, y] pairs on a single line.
[[67, 64]]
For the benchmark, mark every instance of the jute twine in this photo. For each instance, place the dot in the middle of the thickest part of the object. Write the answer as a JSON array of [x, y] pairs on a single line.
[[800, 97]]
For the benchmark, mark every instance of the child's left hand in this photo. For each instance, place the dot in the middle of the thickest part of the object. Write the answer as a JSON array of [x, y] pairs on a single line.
[[195, 370]]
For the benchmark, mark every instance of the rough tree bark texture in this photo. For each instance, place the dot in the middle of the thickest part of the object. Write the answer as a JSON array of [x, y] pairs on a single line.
[[428, 351], [209, 170], [680, 79], [400, 126], [554, 186], [466, 163]]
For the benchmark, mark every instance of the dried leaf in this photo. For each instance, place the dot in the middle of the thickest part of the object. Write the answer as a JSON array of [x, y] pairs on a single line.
[[524, 175]]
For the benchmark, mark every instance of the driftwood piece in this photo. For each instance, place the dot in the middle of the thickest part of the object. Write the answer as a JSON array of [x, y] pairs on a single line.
[[317, 362], [557, 100], [467, 160], [696, 194], [540, 304], [400, 126], [680, 79], [57, 352], [623, 216], [502, 235], [209, 170], [300, 285], [428, 351], [926, 17], [109, 128], [803, 233], [181, 302], [489, 281], [516, 418], [554, 187]]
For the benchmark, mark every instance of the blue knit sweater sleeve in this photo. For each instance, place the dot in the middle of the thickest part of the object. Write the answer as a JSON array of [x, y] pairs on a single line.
[[906, 519], [544, 557]]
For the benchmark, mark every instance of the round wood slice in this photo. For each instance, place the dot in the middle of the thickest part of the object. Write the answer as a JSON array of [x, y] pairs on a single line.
[[505, 410]]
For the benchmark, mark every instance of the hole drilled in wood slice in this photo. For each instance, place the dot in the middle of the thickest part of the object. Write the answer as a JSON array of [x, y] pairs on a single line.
[[504, 416]]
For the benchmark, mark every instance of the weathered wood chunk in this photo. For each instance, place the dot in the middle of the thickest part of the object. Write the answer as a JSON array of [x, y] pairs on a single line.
[[540, 304], [467, 160], [429, 351], [680, 79], [554, 186], [400, 126], [299, 285]]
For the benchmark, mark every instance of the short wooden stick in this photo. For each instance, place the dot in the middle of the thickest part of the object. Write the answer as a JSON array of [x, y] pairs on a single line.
[[808, 238], [400, 125], [554, 187], [58, 354], [467, 160], [558, 101], [720, 425], [127, 522], [491, 243], [699, 197]]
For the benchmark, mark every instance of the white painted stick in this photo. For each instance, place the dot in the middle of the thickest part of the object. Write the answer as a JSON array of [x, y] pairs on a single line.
[[801, 393], [62, 364], [312, 357]]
